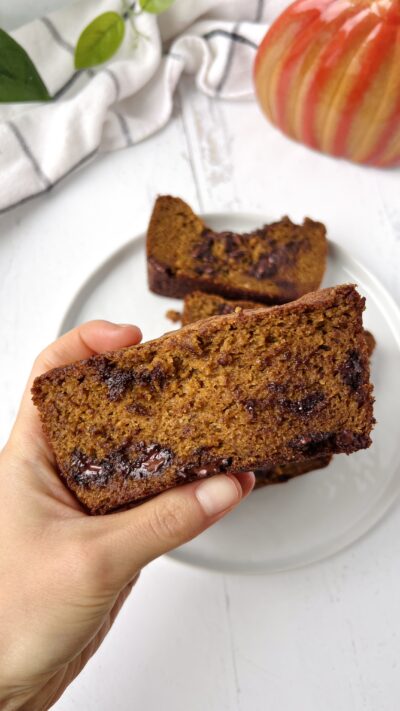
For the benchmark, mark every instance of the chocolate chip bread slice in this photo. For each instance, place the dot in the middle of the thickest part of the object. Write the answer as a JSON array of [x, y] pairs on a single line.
[[277, 263], [248, 390], [198, 305]]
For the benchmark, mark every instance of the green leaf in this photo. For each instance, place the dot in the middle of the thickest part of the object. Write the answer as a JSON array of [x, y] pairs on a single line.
[[19, 78], [155, 6], [99, 40]]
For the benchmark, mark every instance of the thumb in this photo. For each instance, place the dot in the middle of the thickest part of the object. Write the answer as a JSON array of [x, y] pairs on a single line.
[[133, 538]]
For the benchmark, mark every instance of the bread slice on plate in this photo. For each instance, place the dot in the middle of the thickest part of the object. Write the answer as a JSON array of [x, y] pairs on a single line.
[[248, 390], [198, 305], [274, 264]]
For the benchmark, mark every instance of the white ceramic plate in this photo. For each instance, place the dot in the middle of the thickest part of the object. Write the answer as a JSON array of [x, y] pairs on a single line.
[[311, 517]]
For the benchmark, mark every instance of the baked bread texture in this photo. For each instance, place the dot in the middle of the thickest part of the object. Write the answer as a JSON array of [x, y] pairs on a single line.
[[198, 305], [249, 390], [277, 263]]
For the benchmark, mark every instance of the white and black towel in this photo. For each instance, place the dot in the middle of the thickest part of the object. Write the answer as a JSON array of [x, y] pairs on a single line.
[[124, 101]]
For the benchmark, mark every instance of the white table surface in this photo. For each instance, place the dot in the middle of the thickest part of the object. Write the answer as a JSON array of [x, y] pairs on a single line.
[[324, 638]]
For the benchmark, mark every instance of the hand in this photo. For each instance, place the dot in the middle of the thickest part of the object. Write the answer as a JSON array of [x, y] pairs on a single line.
[[64, 575]]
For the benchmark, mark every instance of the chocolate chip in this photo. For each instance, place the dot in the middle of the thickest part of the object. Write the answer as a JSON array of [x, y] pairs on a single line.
[[156, 376], [86, 472], [266, 266], [211, 467], [352, 371], [153, 461], [203, 250], [315, 443], [148, 460], [118, 380], [251, 407], [305, 406], [225, 309], [233, 244], [269, 263]]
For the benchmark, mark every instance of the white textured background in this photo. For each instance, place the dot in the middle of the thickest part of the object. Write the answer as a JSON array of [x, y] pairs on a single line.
[[326, 638]]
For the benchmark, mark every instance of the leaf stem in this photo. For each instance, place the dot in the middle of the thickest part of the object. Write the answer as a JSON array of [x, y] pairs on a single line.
[[130, 13]]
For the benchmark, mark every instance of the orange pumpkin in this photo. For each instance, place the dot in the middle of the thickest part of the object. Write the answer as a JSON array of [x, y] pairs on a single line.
[[328, 74]]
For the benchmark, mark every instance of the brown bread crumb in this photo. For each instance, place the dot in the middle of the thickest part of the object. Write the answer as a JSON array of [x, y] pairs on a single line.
[[174, 316]]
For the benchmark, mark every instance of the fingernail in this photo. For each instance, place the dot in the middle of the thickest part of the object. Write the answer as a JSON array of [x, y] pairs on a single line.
[[217, 494], [130, 325]]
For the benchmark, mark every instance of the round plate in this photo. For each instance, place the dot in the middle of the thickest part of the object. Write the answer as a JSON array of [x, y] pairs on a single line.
[[311, 517]]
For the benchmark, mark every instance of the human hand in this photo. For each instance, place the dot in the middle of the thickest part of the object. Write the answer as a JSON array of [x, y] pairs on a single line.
[[65, 575]]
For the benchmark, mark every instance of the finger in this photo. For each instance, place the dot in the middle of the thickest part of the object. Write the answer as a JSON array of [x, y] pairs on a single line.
[[82, 342], [131, 539]]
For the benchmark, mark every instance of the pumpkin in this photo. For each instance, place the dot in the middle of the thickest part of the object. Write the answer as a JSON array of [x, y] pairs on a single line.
[[328, 74]]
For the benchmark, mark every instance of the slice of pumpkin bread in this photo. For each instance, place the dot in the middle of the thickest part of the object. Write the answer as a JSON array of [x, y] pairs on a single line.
[[245, 391], [199, 304], [274, 264]]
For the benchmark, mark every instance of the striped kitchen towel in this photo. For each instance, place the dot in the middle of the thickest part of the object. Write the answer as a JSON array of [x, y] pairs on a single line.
[[122, 102]]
